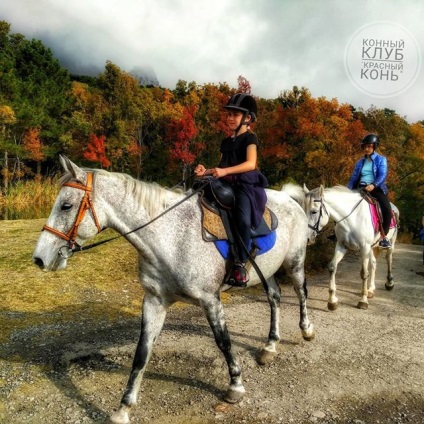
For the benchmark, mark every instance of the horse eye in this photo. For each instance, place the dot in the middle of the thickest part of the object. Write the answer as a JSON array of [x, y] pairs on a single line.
[[66, 207], [314, 212]]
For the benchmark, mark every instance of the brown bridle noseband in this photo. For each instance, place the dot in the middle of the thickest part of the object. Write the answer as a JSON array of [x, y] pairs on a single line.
[[86, 204]]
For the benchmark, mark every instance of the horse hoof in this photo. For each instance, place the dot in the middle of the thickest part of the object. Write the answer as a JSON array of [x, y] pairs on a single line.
[[234, 396], [332, 306], [309, 334], [389, 286], [119, 417], [370, 295], [362, 305], [265, 357]]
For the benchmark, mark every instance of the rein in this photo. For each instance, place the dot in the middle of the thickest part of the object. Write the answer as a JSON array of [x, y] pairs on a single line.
[[87, 204], [350, 213], [315, 227]]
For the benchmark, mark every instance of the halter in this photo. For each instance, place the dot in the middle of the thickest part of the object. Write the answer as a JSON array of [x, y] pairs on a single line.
[[86, 204]]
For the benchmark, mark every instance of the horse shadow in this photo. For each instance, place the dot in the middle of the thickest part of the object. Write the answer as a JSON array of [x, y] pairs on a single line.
[[58, 349]]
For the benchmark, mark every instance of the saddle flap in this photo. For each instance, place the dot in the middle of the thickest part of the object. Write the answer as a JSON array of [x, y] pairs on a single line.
[[216, 225]]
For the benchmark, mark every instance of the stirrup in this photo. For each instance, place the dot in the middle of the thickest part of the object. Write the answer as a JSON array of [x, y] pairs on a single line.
[[384, 243], [239, 276]]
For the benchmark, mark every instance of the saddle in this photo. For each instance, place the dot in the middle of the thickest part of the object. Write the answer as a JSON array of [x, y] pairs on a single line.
[[217, 201], [375, 210], [216, 223]]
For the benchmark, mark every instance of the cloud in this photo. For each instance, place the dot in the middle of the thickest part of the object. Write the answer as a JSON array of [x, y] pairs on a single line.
[[274, 44]]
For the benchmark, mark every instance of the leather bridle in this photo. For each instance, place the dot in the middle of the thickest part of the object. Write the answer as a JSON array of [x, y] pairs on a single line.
[[86, 204], [322, 208]]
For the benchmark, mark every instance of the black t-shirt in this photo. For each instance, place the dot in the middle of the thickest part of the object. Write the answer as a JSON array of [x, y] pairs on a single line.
[[234, 150]]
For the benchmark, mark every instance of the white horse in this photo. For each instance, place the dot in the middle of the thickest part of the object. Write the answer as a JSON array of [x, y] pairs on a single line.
[[175, 264], [354, 231]]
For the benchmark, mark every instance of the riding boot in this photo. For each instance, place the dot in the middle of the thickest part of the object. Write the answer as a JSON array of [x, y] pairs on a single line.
[[239, 276]]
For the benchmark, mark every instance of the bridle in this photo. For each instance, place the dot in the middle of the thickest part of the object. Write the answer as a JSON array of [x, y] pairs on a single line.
[[322, 208], [86, 204]]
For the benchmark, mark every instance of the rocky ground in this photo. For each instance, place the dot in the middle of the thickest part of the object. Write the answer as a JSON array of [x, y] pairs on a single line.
[[362, 367]]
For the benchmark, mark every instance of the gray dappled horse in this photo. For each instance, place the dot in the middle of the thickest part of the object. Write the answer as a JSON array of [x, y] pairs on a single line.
[[354, 231], [175, 264]]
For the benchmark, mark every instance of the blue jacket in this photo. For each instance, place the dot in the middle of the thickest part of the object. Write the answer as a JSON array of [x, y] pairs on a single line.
[[379, 169]]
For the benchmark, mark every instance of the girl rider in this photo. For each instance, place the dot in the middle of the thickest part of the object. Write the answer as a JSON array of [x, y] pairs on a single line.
[[238, 166]]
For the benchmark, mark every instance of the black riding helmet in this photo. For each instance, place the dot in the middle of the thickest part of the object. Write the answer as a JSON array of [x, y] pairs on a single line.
[[244, 103], [370, 139]]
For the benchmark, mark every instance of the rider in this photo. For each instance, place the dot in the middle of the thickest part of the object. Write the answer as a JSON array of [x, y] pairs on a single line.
[[238, 166], [370, 173]]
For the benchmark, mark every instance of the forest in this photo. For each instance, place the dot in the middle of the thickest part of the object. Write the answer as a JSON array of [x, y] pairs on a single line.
[[158, 134]]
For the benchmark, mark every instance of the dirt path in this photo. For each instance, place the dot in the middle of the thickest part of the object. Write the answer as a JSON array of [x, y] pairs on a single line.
[[362, 367]]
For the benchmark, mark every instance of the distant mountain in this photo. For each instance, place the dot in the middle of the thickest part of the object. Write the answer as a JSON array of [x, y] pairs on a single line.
[[145, 75]]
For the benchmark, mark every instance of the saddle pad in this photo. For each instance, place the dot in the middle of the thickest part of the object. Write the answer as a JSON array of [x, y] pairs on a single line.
[[263, 243], [376, 220], [214, 228]]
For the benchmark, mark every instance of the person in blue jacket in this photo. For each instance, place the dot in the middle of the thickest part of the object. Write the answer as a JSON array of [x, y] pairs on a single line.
[[370, 173]]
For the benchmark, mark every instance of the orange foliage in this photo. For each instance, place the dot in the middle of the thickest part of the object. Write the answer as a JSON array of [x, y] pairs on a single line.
[[32, 144]]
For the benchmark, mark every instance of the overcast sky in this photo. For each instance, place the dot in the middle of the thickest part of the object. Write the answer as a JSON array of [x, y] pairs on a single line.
[[274, 44]]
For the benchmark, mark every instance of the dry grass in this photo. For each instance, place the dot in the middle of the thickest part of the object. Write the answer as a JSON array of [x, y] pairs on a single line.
[[97, 285], [30, 199]]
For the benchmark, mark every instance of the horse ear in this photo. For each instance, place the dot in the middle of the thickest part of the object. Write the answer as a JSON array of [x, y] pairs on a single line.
[[305, 189], [321, 190], [69, 166]]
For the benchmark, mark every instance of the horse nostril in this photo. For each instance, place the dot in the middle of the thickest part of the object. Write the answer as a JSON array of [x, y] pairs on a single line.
[[39, 262]]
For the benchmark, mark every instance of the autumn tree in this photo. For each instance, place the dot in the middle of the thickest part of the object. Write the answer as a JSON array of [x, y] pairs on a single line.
[[96, 151], [33, 147], [181, 136]]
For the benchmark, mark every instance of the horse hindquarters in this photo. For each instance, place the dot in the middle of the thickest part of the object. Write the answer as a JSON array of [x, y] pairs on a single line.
[[153, 317]]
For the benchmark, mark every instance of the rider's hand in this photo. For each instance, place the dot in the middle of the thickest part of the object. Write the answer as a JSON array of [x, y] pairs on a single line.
[[369, 187], [199, 170], [219, 172]]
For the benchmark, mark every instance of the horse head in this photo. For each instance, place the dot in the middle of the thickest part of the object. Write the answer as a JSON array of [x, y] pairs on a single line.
[[72, 221], [316, 211]]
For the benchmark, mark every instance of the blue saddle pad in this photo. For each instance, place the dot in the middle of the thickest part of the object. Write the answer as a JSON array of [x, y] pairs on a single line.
[[264, 243]]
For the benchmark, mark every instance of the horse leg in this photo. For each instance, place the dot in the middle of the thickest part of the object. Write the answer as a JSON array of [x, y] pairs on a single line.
[[297, 274], [363, 303], [268, 353], [214, 312], [153, 317], [333, 301], [374, 255], [389, 259]]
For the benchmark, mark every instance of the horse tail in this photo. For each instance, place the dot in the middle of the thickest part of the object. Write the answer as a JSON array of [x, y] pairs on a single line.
[[296, 192]]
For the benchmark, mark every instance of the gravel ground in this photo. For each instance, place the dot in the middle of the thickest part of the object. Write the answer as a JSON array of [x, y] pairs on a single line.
[[362, 367]]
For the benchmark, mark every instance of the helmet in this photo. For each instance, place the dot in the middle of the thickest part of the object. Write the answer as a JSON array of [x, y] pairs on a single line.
[[244, 103], [370, 139]]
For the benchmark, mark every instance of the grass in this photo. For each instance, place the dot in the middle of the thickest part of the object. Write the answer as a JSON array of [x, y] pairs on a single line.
[[97, 284], [29, 199]]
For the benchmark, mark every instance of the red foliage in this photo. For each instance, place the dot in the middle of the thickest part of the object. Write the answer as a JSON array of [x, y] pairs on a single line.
[[181, 133], [96, 150]]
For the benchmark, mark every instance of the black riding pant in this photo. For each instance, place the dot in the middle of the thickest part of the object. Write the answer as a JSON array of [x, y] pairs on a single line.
[[386, 209], [243, 221]]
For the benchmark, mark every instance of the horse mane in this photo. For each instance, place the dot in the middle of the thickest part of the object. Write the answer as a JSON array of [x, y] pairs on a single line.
[[151, 196], [296, 192], [339, 188]]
